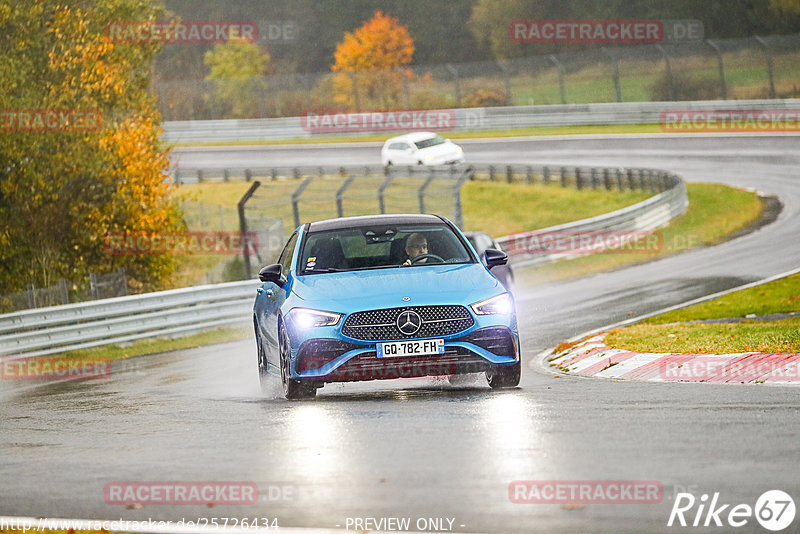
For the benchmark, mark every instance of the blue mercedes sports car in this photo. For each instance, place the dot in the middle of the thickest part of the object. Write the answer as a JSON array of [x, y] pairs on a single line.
[[380, 297]]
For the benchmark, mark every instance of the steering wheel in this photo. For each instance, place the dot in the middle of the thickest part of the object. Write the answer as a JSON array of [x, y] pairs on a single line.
[[425, 256]]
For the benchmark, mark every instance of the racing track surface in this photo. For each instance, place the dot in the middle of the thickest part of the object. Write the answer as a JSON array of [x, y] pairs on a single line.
[[416, 449]]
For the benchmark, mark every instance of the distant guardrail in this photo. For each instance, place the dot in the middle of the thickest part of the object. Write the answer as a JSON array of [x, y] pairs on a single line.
[[177, 312], [469, 119]]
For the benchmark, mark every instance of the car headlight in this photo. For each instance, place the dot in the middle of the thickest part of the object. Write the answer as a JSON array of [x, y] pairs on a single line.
[[497, 305], [429, 157], [306, 318], [459, 149]]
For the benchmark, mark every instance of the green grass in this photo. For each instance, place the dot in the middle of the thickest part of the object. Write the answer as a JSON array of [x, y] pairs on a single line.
[[715, 211], [747, 336], [779, 296], [154, 346], [662, 334], [502, 209]]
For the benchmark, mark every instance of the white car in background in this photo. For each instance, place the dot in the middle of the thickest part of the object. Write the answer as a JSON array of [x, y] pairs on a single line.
[[420, 148]]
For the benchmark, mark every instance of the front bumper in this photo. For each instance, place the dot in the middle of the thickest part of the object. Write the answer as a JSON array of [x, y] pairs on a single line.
[[337, 360]]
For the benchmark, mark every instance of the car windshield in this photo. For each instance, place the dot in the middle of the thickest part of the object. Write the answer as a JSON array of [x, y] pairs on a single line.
[[378, 247], [426, 143]]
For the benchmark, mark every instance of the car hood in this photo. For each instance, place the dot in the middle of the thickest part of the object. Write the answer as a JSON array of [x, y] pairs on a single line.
[[440, 150], [386, 288]]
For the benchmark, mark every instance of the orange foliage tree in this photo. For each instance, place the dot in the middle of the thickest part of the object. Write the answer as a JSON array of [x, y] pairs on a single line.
[[62, 190], [374, 55]]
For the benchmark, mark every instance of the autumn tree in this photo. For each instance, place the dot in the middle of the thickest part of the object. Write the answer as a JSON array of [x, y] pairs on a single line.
[[63, 188], [374, 55], [237, 70]]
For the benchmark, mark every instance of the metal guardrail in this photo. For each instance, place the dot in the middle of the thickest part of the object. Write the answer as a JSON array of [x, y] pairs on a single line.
[[649, 214], [470, 119], [177, 312], [174, 312]]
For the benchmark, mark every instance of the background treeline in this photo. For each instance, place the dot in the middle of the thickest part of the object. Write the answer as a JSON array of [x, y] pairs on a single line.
[[454, 31]]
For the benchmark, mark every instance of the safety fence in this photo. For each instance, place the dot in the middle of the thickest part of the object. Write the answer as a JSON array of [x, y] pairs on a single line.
[[747, 68], [188, 310]]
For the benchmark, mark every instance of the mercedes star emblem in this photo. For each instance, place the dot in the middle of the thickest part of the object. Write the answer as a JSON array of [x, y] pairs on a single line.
[[409, 322]]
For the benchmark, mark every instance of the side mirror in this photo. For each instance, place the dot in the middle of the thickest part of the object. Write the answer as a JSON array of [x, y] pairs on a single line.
[[272, 273], [493, 257]]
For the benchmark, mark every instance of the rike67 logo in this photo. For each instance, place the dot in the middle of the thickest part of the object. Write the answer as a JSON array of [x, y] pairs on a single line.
[[774, 510]]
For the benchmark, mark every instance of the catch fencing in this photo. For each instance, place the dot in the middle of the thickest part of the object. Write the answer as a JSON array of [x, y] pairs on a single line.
[[736, 69], [184, 311]]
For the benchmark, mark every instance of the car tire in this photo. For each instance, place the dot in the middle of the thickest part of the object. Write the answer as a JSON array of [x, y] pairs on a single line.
[[504, 376], [292, 389]]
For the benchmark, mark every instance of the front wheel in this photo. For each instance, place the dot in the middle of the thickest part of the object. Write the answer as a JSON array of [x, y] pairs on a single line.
[[504, 376], [292, 389]]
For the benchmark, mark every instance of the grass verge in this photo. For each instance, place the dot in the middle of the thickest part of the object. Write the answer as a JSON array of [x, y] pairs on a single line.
[[715, 212], [670, 333], [154, 346]]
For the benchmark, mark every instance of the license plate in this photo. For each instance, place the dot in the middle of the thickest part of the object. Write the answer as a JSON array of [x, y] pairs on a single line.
[[422, 347]]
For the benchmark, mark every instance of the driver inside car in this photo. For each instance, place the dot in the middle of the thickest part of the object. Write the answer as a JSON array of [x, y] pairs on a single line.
[[416, 245]]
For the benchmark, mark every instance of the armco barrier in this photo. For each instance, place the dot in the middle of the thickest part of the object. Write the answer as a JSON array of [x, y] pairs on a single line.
[[177, 312], [471, 119], [649, 214]]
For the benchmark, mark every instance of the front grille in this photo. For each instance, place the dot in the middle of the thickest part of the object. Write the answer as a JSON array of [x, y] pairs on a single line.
[[379, 325]]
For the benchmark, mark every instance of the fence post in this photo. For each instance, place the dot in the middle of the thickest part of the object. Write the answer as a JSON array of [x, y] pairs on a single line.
[[382, 189], [595, 178], [352, 76], [770, 67], [509, 174], [491, 173], [296, 199], [243, 225], [506, 81], [606, 179], [456, 83], [406, 92], [421, 191], [340, 195], [124, 285], [668, 71], [529, 175], [199, 176], [723, 86], [620, 184], [458, 215], [563, 177], [62, 286], [614, 72], [578, 179], [31, 296], [93, 285], [554, 59]]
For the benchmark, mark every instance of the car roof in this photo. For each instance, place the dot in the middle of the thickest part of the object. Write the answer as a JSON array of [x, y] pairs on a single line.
[[369, 220], [412, 137]]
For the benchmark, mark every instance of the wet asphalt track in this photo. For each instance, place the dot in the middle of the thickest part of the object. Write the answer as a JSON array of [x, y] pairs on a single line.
[[419, 449]]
